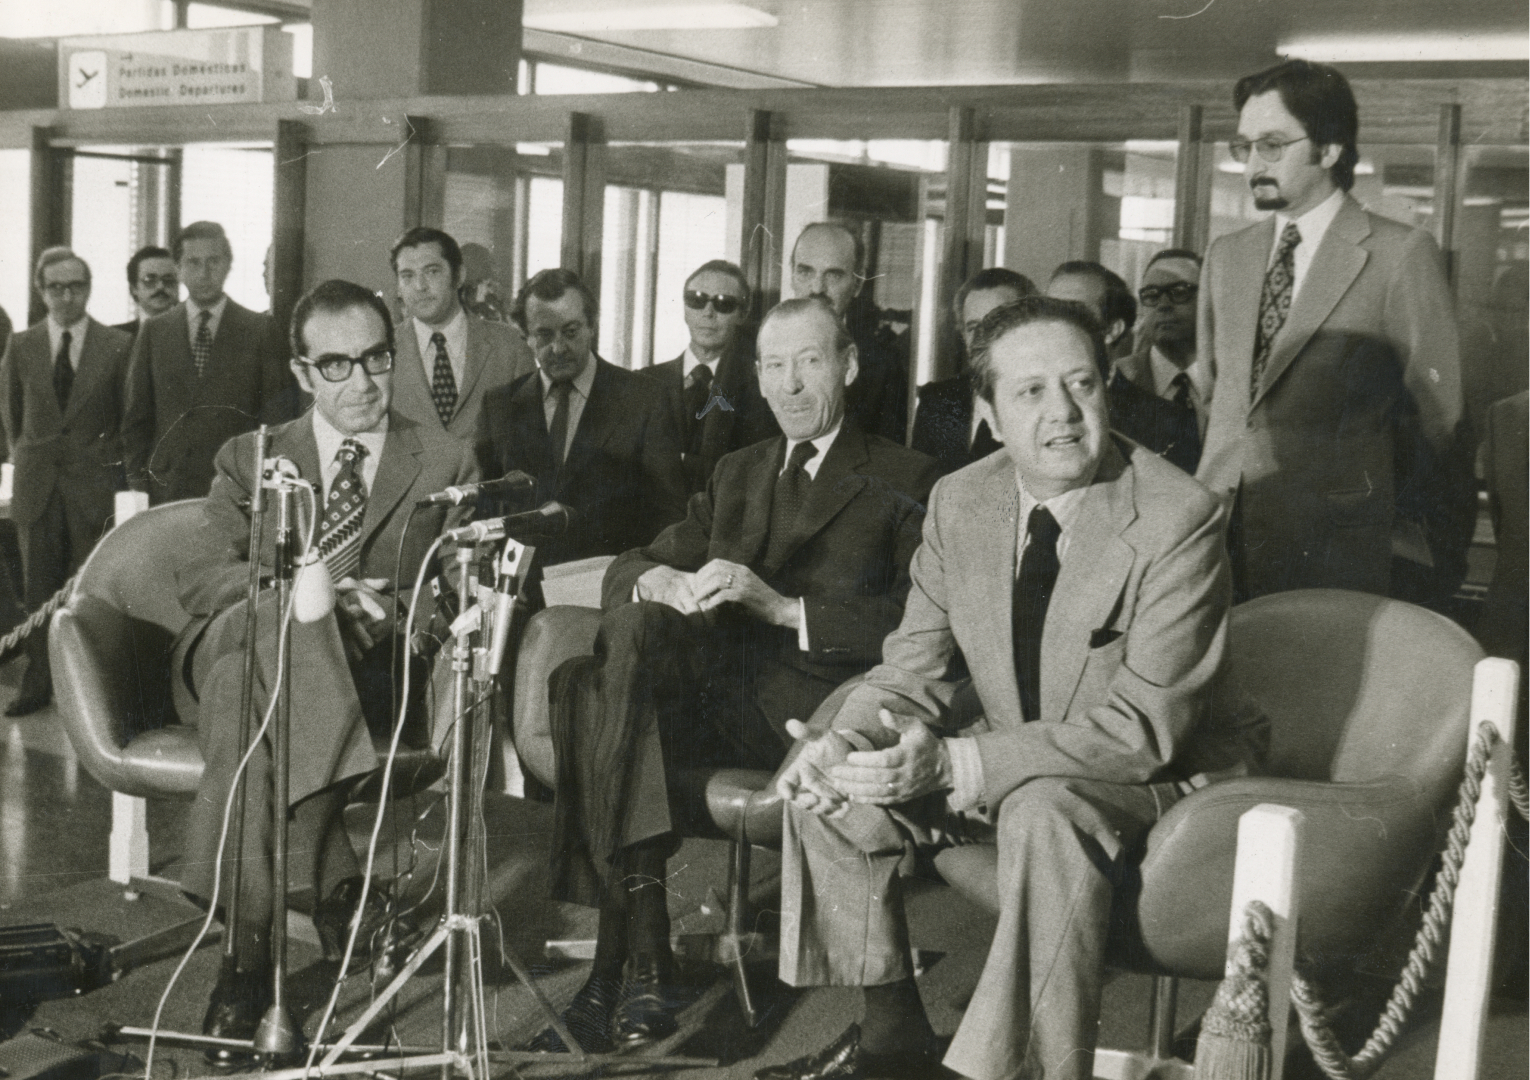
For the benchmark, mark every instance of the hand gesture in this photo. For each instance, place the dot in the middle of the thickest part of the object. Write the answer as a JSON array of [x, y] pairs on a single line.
[[721, 582], [803, 782], [916, 765], [666, 585], [365, 614]]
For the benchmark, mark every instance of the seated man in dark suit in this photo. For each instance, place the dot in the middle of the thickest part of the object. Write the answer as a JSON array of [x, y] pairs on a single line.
[[780, 583], [712, 389], [368, 467], [598, 438], [1083, 585], [948, 426]]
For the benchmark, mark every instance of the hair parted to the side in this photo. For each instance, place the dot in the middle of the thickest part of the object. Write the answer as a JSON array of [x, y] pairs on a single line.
[[804, 304], [1173, 253], [201, 230], [335, 295], [147, 252], [723, 266], [51, 257], [550, 286], [424, 234], [1319, 96], [1119, 303], [1007, 318], [994, 277]]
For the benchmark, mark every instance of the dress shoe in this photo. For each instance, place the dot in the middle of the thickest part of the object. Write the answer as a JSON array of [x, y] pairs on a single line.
[[385, 937], [239, 1000], [588, 1019], [843, 1059], [645, 1011], [29, 702]]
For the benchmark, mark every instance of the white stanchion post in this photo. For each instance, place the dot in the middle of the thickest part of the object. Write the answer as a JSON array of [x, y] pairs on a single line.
[[1463, 1022], [1269, 853], [128, 845]]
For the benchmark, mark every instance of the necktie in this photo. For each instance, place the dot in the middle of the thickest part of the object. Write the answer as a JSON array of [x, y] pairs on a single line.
[[1274, 304], [63, 372], [1180, 399], [340, 531], [1033, 592], [557, 434], [201, 345], [698, 388], [786, 502], [443, 385]]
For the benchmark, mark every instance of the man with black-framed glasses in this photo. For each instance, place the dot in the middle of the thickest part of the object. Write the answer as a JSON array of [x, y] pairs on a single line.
[[1335, 431], [368, 466], [712, 390]]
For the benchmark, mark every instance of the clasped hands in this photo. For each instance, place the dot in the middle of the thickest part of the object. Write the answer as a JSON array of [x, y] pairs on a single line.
[[829, 775], [718, 582], [365, 614]]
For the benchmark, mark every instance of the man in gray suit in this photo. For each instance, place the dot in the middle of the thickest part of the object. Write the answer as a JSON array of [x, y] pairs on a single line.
[[1090, 679], [1333, 337], [447, 359], [61, 385]]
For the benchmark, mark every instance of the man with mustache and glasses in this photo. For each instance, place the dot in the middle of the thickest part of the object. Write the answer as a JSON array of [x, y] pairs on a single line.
[[1333, 433], [155, 284], [711, 387]]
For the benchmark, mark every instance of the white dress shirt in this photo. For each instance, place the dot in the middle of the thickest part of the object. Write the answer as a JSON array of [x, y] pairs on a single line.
[[455, 333], [194, 312], [1162, 371], [1312, 225], [811, 467], [329, 439], [76, 339], [691, 363], [578, 397]]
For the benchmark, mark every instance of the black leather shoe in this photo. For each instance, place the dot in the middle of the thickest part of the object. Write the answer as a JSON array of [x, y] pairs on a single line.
[[384, 938], [239, 1000], [29, 702], [588, 1019], [646, 1010], [840, 1060]]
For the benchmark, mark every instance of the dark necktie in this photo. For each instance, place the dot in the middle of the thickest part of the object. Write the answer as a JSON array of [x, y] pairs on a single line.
[[698, 388], [557, 434], [1274, 304], [443, 385], [340, 531], [201, 344], [1180, 399], [63, 371], [786, 502], [1033, 592]]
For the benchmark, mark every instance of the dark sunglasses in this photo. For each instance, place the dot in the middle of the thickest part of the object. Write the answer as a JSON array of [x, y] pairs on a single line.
[[1179, 293], [721, 303], [336, 368]]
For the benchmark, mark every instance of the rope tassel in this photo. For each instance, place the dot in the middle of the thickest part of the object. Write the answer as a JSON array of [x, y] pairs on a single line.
[[1235, 1032]]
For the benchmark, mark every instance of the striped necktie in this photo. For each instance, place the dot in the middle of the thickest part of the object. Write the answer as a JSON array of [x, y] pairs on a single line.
[[340, 531]]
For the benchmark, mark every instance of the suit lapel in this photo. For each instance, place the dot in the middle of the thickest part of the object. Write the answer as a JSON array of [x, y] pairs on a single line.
[[396, 472], [93, 363], [1335, 265], [1088, 583], [528, 433], [1245, 284], [835, 485], [717, 425], [596, 422], [992, 559], [759, 491], [408, 371], [296, 442], [179, 352], [474, 362]]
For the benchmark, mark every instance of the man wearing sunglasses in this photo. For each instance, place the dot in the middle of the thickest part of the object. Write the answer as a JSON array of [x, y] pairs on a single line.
[[61, 387], [202, 372], [155, 285], [1333, 431], [713, 392], [369, 466], [1172, 384]]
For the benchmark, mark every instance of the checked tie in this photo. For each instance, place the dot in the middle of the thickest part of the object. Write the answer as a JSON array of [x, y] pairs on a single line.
[[340, 531], [1033, 593], [443, 385], [1274, 304], [63, 372], [786, 502], [201, 345]]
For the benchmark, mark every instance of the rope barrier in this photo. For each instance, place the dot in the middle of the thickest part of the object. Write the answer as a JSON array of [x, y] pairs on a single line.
[[11, 643]]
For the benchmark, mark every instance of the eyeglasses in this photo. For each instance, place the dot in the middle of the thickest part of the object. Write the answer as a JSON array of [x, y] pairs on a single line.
[[337, 368], [721, 303], [1270, 148], [64, 288], [148, 281], [1181, 292]]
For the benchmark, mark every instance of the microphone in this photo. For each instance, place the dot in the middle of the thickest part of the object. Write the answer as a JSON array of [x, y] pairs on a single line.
[[514, 482], [515, 555], [549, 519]]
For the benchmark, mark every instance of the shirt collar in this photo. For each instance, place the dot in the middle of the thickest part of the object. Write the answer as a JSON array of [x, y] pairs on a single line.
[[76, 332], [822, 442], [582, 382], [1165, 369], [1314, 223], [1064, 507], [330, 437], [692, 362], [457, 324], [193, 309]]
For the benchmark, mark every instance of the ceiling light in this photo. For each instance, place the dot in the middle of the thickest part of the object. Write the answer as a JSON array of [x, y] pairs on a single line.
[[714, 16], [1384, 48]]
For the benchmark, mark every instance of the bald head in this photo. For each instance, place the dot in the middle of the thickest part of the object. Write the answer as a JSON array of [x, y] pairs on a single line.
[[826, 261]]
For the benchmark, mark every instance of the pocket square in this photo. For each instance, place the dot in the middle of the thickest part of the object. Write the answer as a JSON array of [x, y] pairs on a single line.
[[1100, 638]]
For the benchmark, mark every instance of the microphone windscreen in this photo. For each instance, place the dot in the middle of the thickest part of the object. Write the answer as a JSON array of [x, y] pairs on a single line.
[[313, 592]]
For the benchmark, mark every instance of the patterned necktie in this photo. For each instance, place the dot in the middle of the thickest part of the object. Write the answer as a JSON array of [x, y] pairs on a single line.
[[1180, 399], [1033, 592], [201, 345], [340, 531], [443, 385], [698, 388], [63, 372], [1274, 304], [557, 434], [786, 503]]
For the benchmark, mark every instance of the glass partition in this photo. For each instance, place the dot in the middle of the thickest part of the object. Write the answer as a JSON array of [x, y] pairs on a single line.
[[15, 221]]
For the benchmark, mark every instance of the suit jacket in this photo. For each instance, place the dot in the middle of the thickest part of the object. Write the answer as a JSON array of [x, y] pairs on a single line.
[[848, 561], [216, 573], [175, 422], [77, 450], [942, 421], [1505, 619], [130, 328], [1146, 418], [622, 473], [703, 442], [1135, 630], [496, 355], [878, 399], [1370, 337]]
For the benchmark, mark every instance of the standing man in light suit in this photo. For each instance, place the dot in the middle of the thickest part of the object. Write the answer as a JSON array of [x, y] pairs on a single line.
[[61, 383], [447, 359], [1333, 337]]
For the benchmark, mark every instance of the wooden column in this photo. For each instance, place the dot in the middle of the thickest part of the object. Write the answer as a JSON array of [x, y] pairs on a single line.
[[584, 198], [424, 175], [1447, 185], [966, 217], [1190, 189], [763, 220], [288, 205], [52, 170]]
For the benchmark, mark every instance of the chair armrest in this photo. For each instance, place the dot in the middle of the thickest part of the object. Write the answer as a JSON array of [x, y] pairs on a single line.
[[552, 636], [1365, 847]]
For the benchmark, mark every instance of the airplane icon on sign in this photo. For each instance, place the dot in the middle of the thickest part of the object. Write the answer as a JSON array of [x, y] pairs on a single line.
[[85, 77]]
